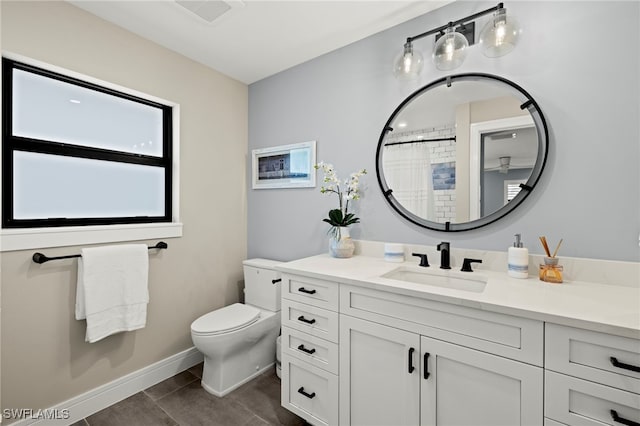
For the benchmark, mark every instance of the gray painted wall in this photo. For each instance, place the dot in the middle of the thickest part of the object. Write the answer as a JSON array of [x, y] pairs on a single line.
[[589, 191]]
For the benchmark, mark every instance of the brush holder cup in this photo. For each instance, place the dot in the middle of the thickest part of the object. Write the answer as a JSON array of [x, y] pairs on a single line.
[[550, 271]]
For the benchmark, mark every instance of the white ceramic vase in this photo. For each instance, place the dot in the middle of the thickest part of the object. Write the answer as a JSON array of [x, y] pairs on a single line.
[[341, 245]]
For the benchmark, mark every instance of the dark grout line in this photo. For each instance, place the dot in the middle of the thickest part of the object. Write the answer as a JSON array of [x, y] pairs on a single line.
[[173, 391]]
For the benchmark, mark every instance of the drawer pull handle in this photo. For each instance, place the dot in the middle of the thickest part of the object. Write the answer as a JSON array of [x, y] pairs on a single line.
[[411, 367], [619, 364], [308, 395], [277, 280], [309, 351], [622, 420], [426, 367], [304, 290], [303, 319]]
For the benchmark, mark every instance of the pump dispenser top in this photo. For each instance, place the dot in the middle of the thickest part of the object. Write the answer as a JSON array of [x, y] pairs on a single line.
[[518, 259], [518, 243]]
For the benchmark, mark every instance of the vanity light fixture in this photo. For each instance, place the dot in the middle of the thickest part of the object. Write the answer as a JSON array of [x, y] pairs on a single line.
[[450, 50], [498, 37]]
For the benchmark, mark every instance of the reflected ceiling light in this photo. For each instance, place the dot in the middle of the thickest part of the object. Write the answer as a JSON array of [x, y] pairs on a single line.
[[500, 35], [498, 38], [505, 162]]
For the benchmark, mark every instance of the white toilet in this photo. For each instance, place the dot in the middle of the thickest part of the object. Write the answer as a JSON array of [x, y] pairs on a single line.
[[239, 341]]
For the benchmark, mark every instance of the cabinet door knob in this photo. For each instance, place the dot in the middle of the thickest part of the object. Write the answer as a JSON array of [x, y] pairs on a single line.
[[277, 280], [308, 395], [304, 290], [411, 367], [622, 420], [616, 363], [426, 366], [303, 319]]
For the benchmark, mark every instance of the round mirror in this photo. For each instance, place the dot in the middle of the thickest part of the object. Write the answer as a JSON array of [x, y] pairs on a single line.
[[462, 152]]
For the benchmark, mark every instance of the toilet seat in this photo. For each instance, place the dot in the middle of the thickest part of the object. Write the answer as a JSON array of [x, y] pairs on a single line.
[[225, 320]]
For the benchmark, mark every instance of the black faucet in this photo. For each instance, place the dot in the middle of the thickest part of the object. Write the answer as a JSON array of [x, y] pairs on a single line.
[[466, 264], [423, 259], [443, 248]]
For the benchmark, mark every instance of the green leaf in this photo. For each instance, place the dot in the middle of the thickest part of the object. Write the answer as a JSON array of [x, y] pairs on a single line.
[[337, 218]]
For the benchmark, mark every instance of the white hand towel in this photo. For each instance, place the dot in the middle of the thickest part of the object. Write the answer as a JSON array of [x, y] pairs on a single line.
[[112, 291]]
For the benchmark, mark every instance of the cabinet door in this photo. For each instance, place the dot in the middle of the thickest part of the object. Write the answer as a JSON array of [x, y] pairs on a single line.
[[462, 386], [379, 374]]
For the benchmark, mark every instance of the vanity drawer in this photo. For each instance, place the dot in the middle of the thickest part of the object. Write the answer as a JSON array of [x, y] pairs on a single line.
[[575, 401], [318, 352], [591, 355], [312, 320], [310, 392], [512, 337], [321, 293]]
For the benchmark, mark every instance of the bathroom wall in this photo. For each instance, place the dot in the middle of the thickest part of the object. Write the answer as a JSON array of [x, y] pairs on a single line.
[[587, 87], [44, 357]]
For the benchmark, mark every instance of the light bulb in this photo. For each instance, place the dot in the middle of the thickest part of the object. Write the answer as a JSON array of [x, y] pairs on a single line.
[[450, 50], [500, 35], [408, 64]]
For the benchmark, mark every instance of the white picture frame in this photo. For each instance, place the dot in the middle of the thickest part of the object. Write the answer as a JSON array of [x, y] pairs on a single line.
[[284, 166]]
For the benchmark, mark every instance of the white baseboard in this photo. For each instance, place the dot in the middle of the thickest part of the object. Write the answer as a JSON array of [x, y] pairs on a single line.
[[81, 406]]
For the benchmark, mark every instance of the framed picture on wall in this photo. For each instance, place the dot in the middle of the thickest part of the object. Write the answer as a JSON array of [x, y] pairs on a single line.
[[285, 166]]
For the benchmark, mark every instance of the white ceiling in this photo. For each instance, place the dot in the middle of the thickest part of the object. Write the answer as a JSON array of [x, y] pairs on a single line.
[[258, 38]]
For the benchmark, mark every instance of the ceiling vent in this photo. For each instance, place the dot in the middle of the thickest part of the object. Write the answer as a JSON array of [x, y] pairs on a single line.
[[209, 10]]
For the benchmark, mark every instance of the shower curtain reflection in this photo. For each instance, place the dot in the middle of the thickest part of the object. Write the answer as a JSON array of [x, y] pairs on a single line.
[[407, 169]]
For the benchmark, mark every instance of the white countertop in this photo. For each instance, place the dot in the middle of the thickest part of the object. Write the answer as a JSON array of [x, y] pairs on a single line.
[[599, 307]]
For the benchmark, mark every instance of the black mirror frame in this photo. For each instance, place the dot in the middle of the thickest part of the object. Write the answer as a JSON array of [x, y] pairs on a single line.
[[543, 147]]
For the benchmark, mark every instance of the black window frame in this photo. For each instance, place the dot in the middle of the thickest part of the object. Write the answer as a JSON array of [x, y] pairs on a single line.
[[12, 143]]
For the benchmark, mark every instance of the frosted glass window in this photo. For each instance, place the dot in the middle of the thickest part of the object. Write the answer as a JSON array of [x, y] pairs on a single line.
[[77, 153], [49, 109], [50, 186]]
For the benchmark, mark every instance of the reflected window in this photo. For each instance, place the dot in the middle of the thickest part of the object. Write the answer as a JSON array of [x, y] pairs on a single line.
[[512, 188], [77, 153]]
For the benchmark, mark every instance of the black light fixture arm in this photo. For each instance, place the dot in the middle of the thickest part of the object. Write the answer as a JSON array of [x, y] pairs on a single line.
[[454, 23]]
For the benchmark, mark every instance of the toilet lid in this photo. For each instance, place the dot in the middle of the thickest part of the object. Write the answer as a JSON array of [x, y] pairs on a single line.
[[226, 319]]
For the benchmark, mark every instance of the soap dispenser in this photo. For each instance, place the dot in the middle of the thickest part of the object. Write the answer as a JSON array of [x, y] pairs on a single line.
[[518, 259]]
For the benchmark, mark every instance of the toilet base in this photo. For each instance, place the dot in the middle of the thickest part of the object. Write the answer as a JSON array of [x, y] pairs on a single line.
[[237, 385], [232, 359]]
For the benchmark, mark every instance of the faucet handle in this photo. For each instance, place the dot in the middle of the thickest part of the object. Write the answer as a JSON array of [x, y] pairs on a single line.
[[466, 264], [423, 259]]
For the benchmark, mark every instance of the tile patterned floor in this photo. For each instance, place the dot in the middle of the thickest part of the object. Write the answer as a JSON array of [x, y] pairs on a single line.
[[181, 401]]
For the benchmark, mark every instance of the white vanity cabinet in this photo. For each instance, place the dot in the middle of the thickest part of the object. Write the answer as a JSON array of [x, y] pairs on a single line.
[[379, 374], [310, 348], [393, 370], [363, 352], [468, 387], [591, 378]]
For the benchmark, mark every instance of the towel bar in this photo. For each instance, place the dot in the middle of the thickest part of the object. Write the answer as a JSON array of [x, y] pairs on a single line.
[[41, 258]]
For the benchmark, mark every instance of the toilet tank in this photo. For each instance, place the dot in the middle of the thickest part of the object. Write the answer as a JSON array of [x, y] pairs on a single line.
[[262, 284]]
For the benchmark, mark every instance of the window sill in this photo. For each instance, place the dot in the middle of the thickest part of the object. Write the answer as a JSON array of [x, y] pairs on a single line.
[[24, 239]]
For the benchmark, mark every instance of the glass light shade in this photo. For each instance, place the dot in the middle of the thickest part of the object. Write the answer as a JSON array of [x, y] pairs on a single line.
[[500, 35], [408, 64], [450, 50]]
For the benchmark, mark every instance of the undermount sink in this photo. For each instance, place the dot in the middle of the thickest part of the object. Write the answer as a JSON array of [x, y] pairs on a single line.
[[445, 279]]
